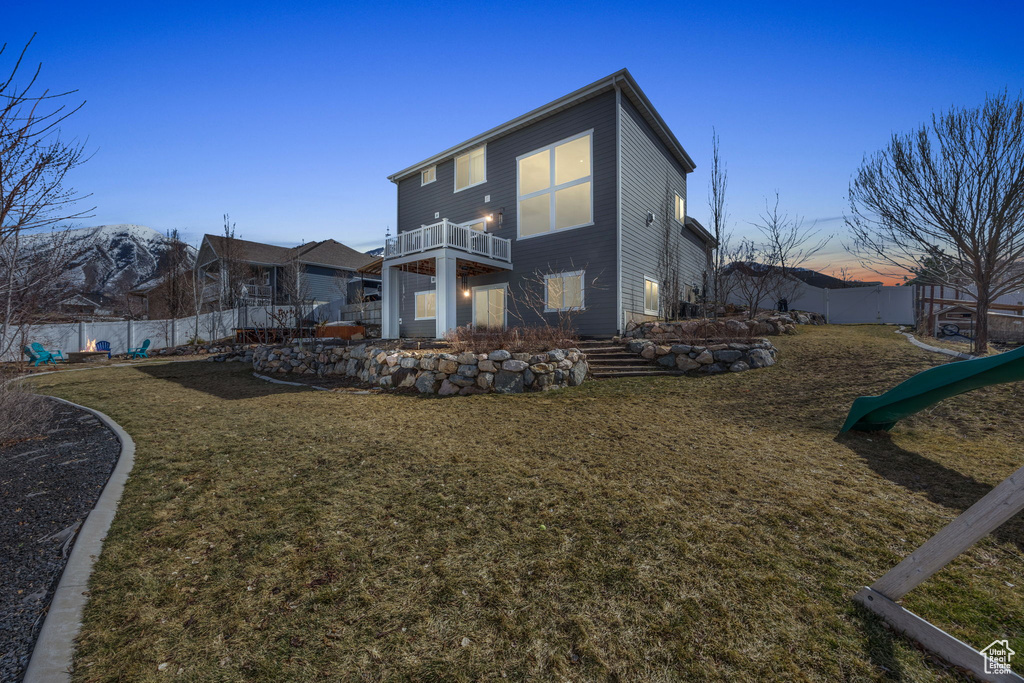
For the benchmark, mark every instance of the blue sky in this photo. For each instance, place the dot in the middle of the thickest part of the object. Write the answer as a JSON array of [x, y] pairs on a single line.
[[290, 118]]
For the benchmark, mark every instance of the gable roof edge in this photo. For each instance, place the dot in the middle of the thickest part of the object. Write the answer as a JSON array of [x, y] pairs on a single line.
[[620, 79]]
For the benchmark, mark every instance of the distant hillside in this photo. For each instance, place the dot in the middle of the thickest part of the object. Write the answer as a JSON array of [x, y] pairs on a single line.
[[379, 251], [116, 257], [806, 275]]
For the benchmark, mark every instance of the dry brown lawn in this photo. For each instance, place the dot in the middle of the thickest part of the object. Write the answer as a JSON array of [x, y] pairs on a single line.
[[653, 529]]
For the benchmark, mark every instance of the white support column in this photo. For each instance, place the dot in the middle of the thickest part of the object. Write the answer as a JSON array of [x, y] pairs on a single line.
[[389, 303], [447, 295]]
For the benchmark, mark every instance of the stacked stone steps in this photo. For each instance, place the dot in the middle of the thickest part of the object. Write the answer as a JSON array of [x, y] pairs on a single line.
[[610, 361]]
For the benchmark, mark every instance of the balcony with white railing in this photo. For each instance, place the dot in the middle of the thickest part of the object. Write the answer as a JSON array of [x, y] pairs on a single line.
[[448, 235]]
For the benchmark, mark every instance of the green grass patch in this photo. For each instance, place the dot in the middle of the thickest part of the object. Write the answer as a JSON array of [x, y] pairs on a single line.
[[648, 529]]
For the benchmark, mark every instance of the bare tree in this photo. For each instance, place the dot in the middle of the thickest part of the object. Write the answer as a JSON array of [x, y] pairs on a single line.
[[234, 272], [178, 280], [788, 245], [719, 225], [750, 273], [295, 287], [34, 162], [672, 289], [948, 198], [532, 300]]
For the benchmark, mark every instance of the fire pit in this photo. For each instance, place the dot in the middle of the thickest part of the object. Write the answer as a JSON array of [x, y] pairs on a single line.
[[86, 356]]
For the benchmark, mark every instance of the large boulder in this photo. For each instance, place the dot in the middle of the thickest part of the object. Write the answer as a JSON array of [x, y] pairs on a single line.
[[447, 389], [461, 380], [499, 355], [759, 358], [506, 382], [685, 363], [426, 384], [468, 370], [728, 356], [578, 373], [514, 365]]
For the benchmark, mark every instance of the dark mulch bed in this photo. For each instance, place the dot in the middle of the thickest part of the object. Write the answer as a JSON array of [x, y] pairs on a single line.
[[48, 486]]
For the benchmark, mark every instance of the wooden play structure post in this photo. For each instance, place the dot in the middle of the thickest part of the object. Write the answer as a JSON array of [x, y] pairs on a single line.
[[982, 518]]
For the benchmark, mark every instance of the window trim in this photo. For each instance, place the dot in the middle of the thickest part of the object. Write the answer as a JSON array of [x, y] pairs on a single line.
[[499, 285], [424, 171], [648, 311], [416, 295], [563, 275], [551, 189], [455, 168], [675, 209]]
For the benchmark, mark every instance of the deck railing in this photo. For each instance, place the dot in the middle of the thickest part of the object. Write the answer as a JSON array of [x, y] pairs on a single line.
[[446, 234]]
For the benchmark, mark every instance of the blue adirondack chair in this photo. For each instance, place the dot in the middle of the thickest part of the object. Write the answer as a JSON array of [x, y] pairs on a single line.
[[55, 355], [103, 346], [36, 358], [139, 352]]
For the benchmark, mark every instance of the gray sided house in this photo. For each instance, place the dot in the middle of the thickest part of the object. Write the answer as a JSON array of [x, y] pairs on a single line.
[[577, 206], [235, 271]]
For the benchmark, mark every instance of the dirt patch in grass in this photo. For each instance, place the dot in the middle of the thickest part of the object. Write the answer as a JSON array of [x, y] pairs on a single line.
[[641, 529]]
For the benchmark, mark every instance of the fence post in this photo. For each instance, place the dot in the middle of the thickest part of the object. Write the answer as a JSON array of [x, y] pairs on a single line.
[[131, 336], [174, 332], [81, 335]]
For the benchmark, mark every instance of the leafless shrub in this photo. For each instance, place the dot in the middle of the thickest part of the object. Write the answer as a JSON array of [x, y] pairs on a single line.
[[24, 414], [513, 339]]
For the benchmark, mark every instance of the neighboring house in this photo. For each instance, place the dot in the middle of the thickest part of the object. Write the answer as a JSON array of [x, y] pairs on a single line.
[[576, 199], [270, 275], [81, 305]]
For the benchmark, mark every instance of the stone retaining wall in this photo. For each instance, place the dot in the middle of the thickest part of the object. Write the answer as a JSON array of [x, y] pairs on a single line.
[[445, 374], [707, 360], [712, 329]]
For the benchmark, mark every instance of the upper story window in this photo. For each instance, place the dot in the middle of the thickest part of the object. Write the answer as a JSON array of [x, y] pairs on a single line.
[[680, 209], [471, 168], [556, 187], [428, 175], [563, 291]]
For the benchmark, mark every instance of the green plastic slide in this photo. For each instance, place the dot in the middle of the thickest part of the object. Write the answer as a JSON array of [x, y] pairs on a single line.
[[873, 413]]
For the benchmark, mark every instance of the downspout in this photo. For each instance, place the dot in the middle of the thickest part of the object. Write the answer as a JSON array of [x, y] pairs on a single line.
[[620, 313]]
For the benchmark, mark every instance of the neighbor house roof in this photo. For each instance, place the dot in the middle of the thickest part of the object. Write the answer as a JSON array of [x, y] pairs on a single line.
[[328, 253], [621, 79]]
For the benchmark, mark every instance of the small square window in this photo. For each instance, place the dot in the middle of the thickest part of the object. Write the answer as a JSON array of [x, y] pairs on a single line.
[[428, 175]]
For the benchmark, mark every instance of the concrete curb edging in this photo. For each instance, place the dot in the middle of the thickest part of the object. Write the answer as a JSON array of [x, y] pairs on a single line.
[[54, 648], [300, 384], [290, 384], [935, 349]]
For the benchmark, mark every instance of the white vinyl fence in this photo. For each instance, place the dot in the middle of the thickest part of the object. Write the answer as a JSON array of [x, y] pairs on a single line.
[[875, 304], [125, 334]]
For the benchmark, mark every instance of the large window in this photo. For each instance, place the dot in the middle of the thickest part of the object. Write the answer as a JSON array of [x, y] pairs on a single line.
[[428, 175], [470, 168], [650, 296], [563, 291], [556, 187], [426, 305], [680, 209]]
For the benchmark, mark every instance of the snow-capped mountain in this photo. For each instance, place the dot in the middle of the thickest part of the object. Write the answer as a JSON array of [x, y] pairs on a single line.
[[115, 257]]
